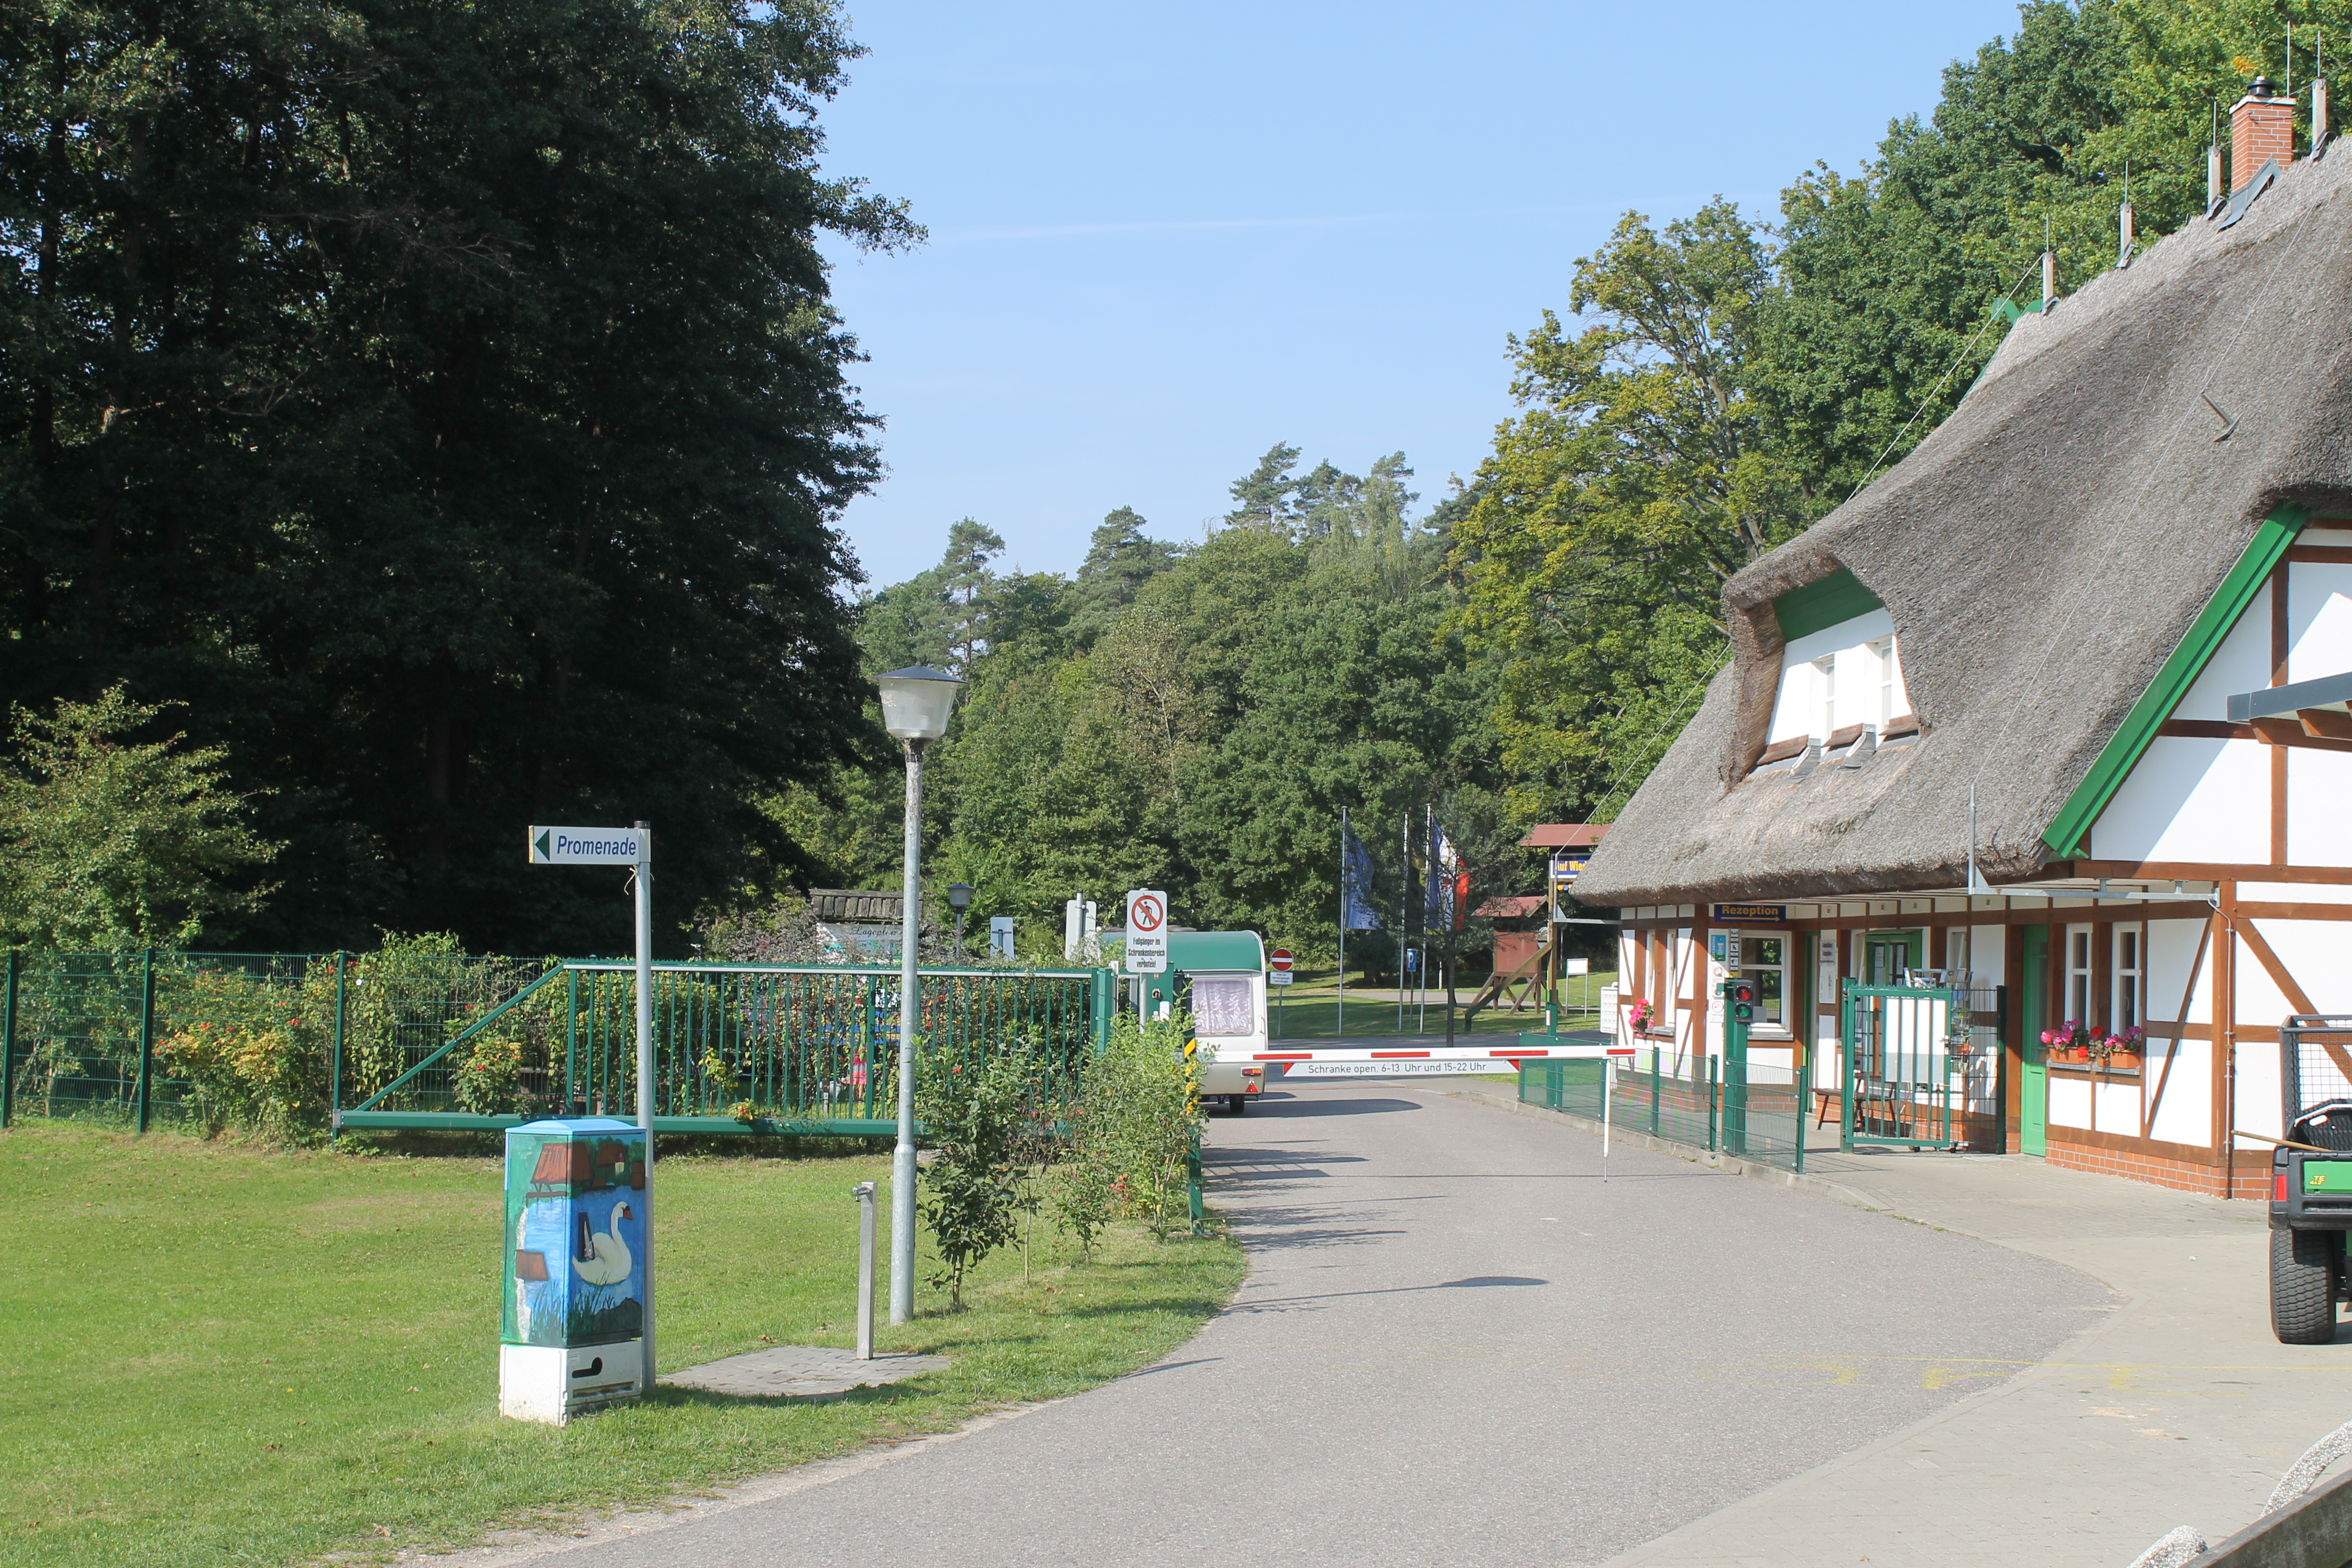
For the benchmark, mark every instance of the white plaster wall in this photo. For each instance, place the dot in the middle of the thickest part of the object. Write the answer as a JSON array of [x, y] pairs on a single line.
[[2117, 1105], [2318, 621], [2172, 949], [2260, 1001], [2258, 1109], [2182, 1099], [2070, 1102], [2242, 664], [2314, 952], [2296, 893], [2190, 800], [2318, 829], [1989, 955]]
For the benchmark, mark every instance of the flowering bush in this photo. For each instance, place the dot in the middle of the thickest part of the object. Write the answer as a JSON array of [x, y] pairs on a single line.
[[490, 1082], [259, 1059], [1642, 1014]]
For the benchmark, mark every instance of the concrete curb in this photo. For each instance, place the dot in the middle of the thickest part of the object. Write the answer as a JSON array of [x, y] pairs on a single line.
[[1818, 1185]]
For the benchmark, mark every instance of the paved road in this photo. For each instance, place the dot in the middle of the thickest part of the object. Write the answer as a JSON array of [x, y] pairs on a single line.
[[1456, 1345]]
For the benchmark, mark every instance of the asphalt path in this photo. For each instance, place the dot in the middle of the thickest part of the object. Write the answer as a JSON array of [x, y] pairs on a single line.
[[1457, 1344]]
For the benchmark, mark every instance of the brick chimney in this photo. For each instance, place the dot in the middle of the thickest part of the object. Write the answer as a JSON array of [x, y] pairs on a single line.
[[2262, 128]]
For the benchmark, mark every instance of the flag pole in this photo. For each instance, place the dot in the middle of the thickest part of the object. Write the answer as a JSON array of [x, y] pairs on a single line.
[[1340, 1025]]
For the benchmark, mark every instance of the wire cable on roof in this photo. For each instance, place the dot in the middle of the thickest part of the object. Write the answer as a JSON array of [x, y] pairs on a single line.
[[1930, 397]]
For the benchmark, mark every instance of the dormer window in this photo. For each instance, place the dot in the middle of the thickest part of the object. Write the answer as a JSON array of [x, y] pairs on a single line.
[[1841, 678]]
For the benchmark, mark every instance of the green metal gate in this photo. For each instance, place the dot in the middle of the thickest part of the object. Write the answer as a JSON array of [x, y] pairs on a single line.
[[1902, 1075], [804, 1049]]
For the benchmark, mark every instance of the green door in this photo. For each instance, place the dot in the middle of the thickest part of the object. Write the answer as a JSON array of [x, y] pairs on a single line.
[[2033, 1082], [1887, 954]]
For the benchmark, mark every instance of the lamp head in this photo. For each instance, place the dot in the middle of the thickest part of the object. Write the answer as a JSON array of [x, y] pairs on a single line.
[[959, 895], [917, 700]]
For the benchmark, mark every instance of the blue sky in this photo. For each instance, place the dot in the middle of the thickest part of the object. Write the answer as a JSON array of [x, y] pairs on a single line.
[[1163, 238]]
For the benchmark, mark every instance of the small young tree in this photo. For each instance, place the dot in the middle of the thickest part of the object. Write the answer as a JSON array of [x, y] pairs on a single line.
[[975, 1114], [108, 842]]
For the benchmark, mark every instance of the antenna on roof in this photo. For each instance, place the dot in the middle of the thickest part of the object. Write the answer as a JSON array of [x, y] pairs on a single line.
[[2318, 92], [2213, 162], [1976, 879], [2124, 222]]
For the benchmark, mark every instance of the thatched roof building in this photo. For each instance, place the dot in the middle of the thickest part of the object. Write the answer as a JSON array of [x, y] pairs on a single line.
[[2043, 557]]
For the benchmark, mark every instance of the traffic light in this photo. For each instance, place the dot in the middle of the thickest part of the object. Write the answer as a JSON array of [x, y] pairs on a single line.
[[1743, 1001]]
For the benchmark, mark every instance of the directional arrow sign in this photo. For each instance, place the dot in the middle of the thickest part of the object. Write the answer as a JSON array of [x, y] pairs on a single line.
[[587, 846]]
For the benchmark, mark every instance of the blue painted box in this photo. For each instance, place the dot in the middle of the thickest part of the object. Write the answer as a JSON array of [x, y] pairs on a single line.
[[576, 1214]]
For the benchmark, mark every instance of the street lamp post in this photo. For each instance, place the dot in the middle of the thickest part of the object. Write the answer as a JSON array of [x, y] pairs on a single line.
[[916, 703], [959, 900]]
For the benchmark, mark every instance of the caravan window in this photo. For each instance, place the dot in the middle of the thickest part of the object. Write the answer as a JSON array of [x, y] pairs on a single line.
[[1223, 1007]]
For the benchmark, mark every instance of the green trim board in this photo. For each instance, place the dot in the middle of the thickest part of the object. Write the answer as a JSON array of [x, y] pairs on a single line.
[[1817, 605], [2131, 739], [2009, 310]]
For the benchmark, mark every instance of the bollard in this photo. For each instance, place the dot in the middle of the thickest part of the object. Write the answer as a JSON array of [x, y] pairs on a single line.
[[863, 1192]]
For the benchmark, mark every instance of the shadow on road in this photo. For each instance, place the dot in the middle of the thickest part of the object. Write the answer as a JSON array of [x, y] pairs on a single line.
[[1475, 1282]]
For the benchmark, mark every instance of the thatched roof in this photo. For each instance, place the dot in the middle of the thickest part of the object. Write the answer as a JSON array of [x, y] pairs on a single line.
[[2042, 555]]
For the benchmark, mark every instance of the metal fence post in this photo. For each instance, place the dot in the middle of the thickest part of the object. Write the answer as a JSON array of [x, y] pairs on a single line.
[[1654, 1092], [1710, 1105], [146, 1031], [335, 1062], [570, 1038], [8, 1040]]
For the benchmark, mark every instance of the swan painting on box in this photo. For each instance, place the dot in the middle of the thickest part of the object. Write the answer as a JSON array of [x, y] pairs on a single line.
[[575, 1238]]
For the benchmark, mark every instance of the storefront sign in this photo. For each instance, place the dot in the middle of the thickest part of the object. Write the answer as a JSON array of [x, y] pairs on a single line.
[[1752, 914]]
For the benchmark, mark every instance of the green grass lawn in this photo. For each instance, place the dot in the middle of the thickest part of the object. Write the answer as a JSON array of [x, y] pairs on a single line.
[[219, 1355], [1311, 1010]]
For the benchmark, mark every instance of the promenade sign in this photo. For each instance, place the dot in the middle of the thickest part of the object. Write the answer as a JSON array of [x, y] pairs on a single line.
[[587, 846]]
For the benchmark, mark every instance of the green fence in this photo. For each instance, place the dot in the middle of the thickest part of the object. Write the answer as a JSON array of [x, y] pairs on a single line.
[[91, 1037], [1680, 1099], [802, 1049], [418, 1037]]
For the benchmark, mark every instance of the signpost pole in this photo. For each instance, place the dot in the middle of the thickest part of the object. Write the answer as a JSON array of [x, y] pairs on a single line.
[[644, 884]]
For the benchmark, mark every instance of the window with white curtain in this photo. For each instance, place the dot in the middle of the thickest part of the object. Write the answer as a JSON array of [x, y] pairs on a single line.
[[1223, 1007]]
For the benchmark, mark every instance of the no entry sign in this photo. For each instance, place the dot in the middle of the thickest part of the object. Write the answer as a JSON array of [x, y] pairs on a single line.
[[1279, 959], [1146, 932]]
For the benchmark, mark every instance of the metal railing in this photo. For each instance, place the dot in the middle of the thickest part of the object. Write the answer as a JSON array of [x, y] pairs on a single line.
[[801, 1048], [417, 1037], [1678, 1097], [1912, 1060]]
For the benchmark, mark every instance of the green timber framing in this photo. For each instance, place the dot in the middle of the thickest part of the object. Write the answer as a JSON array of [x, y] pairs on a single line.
[[1081, 1001]]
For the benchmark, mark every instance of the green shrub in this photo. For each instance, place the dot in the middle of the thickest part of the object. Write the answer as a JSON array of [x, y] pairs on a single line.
[[1132, 1130]]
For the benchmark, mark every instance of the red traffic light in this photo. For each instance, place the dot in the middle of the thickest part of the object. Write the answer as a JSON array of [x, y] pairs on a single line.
[[1743, 992]]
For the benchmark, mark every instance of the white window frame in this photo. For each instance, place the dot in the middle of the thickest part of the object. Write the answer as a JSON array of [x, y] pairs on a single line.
[[1883, 650], [2078, 979], [1782, 1030], [2127, 1008], [1826, 694]]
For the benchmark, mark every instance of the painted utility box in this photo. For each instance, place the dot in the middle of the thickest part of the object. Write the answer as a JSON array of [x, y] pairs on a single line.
[[576, 1212]]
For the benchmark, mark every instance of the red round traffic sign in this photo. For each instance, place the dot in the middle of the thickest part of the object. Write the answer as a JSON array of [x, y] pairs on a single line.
[[1145, 912], [1279, 959]]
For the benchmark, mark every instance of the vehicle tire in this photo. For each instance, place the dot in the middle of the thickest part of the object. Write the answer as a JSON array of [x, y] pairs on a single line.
[[1237, 1103], [2304, 1269]]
